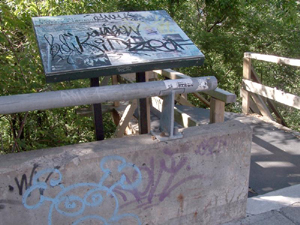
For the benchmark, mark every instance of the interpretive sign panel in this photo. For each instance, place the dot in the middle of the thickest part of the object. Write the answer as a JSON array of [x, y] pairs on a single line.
[[93, 45]]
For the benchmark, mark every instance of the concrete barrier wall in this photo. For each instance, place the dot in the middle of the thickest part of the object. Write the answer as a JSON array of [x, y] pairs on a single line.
[[200, 179]]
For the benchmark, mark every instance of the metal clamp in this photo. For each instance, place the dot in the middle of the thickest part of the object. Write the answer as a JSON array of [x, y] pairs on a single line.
[[167, 131]]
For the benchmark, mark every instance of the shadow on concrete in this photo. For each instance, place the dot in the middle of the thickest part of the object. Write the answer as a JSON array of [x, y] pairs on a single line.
[[275, 159]]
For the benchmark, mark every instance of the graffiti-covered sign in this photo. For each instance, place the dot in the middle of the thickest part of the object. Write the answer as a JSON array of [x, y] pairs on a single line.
[[93, 45]]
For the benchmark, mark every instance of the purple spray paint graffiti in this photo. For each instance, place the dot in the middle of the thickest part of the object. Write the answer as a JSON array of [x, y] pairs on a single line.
[[210, 146], [161, 178]]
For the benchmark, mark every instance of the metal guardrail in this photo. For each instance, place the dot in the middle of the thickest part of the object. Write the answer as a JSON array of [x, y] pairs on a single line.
[[75, 97], [83, 96]]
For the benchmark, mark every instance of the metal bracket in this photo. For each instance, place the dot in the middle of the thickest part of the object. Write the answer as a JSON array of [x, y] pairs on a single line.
[[167, 131]]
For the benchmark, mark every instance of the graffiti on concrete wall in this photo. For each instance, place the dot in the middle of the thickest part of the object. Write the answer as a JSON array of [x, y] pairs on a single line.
[[211, 146], [161, 177], [123, 187], [25, 181], [69, 200]]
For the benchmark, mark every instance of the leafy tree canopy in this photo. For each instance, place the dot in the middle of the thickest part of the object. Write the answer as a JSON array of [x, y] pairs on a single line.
[[222, 29]]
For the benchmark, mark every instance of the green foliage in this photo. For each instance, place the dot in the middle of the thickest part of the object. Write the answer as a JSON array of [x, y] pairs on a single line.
[[222, 29], [21, 72]]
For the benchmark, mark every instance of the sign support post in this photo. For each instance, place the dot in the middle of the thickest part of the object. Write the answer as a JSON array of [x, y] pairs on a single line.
[[97, 109], [143, 112]]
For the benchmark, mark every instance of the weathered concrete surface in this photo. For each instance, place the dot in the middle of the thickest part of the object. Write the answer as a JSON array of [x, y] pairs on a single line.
[[200, 179], [267, 218], [274, 208], [292, 212], [289, 215], [274, 200]]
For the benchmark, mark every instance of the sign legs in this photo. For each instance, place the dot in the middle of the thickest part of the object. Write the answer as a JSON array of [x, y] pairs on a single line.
[[144, 108], [97, 109]]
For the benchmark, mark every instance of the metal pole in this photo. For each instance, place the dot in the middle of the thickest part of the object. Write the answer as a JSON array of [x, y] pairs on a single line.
[[143, 123], [97, 108], [93, 95]]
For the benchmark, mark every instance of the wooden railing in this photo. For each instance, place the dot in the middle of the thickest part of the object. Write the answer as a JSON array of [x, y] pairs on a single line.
[[218, 98], [253, 90]]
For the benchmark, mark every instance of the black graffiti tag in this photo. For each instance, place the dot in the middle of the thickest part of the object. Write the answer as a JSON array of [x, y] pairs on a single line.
[[153, 45], [24, 183]]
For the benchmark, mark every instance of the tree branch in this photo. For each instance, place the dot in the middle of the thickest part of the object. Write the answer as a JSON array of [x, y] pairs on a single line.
[[20, 131], [216, 23], [13, 134], [2, 147], [198, 13]]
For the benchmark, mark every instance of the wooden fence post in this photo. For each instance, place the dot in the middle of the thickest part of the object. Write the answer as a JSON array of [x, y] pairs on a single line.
[[217, 109], [246, 94]]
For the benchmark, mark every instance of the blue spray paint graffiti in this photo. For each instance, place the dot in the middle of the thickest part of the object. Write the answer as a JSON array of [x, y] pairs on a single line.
[[92, 198]]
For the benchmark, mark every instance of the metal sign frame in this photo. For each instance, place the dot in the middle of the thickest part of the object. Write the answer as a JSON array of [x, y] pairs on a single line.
[[93, 45]]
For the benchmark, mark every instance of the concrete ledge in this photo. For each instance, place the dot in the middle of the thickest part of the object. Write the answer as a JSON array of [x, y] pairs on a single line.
[[200, 179]]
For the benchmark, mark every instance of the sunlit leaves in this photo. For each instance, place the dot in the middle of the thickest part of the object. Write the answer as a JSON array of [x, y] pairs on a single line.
[[222, 29]]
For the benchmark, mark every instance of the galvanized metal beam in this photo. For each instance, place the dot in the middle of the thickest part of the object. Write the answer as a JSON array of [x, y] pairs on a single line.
[[93, 95]]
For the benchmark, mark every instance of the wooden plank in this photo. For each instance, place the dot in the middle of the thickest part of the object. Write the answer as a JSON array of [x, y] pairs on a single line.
[[253, 107], [202, 99], [172, 74], [151, 76], [127, 115], [245, 94], [217, 109], [273, 59], [182, 101], [254, 76], [273, 94], [129, 77], [115, 116], [262, 106], [184, 95], [184, 119], [272, 106], [105, 81], [222, 95]]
